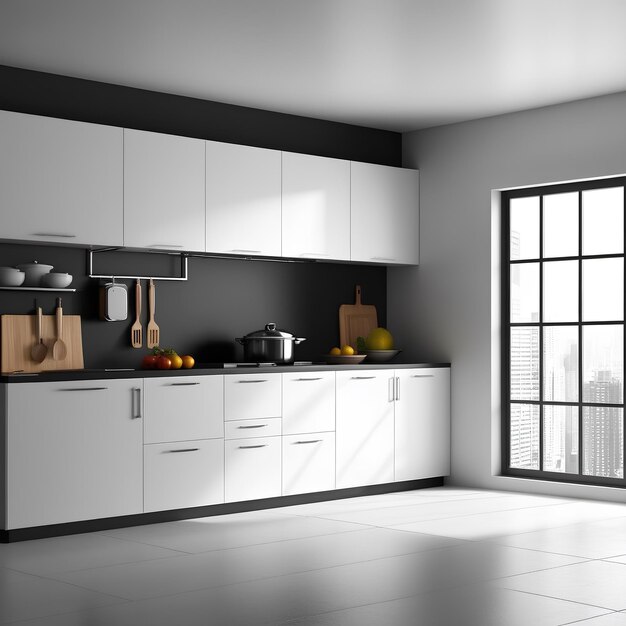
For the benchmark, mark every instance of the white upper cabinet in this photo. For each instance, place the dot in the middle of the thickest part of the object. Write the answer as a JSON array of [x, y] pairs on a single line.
[[163, 191], [60, 181], [384, 214], [316, 207], [243, 203]]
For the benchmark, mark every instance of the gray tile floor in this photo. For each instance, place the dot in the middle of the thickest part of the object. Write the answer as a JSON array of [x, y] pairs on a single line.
[[442, 556]]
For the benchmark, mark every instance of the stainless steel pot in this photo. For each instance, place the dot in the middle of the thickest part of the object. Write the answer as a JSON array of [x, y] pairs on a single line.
[[269, 345]]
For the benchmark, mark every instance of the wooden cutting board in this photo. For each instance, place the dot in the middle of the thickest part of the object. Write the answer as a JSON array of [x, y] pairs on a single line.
[[356, 320], [19, 334]]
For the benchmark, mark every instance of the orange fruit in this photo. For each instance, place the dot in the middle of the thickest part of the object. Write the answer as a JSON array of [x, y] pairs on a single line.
[[379, 339], [177, 362], [347, 350], [188, 361], [335, 351]]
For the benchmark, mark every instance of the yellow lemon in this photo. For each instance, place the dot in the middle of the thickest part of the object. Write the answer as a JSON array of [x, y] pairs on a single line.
[[347, 350], [379, 339], [335, 351]]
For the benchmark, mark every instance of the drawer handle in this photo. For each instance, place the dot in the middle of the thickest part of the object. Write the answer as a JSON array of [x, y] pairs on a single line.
[[422, 376], [182, 450], [244, 251], [362, 377], [255, 426], [166, 245], [64, 235], [84, 389], [301, 380], [382, 258], [308, 441], [263, 380], [182, 384], [137, 395], [261, 445]]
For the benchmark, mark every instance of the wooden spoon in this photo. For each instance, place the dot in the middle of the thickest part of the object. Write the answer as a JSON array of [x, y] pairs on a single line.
[[40, 349], [59, 349]]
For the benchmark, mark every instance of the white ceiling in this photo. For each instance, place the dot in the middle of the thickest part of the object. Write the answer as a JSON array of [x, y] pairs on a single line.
[[391, 64]]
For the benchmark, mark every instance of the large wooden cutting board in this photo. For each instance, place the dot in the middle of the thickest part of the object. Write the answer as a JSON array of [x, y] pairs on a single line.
[[356, 320], [19, 334]]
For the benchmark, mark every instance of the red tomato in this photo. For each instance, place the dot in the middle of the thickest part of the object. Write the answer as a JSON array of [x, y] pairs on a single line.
[[149, 361], [163, 363]]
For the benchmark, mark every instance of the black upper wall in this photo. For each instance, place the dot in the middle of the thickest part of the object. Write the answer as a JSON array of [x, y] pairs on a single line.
[[224, 298]]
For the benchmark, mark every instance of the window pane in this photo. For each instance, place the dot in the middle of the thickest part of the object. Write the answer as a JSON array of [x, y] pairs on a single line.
[[525, 292], [560, 363], [524, 224], [524, 363], [560, 225], [603, 438], [560, 439], [603, 221], [560, 291], [524, 436], [603, 290], [603, 364]]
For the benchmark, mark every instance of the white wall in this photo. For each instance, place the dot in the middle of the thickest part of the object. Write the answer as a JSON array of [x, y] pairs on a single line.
[[447, 308]]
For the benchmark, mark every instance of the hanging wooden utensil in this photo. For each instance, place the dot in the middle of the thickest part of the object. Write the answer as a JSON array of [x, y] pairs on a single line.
[[152, 328], [59, 349], [136, 331], [40, 349]]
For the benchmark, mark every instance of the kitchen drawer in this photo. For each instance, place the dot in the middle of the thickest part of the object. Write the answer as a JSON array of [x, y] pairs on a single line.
[[183, 407], [308, 402], [240, 429], [308, 463], [252, 468], [249, 396], [183, 474]]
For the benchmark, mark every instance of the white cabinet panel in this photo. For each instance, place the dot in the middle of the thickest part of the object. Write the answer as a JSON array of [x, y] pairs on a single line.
[[316, 207], [183, 407], [243, 202], [308, 402], [252, 468], [242, 429], [163, 191], [384, 214], [365, 426], [249, 396], [422, 431], [60, 181], [308, 463], [183, 474], [74, 451]]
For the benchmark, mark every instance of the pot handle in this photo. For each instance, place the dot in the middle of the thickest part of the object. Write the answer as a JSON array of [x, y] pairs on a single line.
[[298, 340]]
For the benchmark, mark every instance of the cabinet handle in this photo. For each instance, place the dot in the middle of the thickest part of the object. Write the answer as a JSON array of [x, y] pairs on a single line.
[[422, 375], [301, 380], [262, 380], [308, 441], [261, 445], [137, 402], [362, 377], [63, 235], [181, 450], [313, 254], [84, 389], [182, 384], [244, 251], [390, 390], [397, 387], [382, 258], [166, 245], [255, 426]]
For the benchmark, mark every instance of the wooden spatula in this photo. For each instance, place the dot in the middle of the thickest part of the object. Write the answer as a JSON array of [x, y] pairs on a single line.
[[136, 330], [152, 328]]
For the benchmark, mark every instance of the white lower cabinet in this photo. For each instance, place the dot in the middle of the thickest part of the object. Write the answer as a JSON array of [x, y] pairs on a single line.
[[252, 468], [183, 474], [365, 428], [308, 463], [249, 396], [308, 402], [74, 451]]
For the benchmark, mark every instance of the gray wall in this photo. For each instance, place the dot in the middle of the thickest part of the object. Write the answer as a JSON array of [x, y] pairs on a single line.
[[447, 308]]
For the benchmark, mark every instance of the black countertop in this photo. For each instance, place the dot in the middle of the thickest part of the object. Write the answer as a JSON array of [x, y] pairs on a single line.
[[198, 370]]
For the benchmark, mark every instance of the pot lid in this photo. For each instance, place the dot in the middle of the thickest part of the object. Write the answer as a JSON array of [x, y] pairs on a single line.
[[270, 332]]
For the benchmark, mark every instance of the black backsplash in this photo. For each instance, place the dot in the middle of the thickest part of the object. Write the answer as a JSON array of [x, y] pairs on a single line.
[[223, 298]]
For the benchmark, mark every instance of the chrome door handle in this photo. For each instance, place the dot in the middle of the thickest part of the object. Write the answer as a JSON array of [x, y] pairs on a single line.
[[63, 235], [301, 380], [362, 377], [181, 450], [255, 426], [308, 441], [182, 384], [137, 403], [397, 388], [422, 375], [84, 389], [261, 445], [390, 390], [263, 380]]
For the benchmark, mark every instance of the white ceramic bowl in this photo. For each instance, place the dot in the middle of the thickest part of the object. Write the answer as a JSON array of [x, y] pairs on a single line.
[[11, 277], [56, 280], [34, 272]]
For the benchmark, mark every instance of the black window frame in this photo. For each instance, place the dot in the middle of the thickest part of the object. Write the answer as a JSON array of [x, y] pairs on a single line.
[[506, 325]]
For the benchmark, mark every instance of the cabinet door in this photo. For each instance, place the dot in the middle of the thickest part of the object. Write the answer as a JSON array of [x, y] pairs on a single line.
[[308, 402], [74, 451], [163, 191], [183, 474], [384, 214], [308, 463], [243, 202], [316, 207], [60, 181], [252, 468], [364, 437], [422, 430], [183, 408], [248, 396]]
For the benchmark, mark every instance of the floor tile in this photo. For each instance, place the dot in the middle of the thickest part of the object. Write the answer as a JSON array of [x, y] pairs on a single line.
[[610, 619], [75, 552], [598, 583], [221, 567]]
